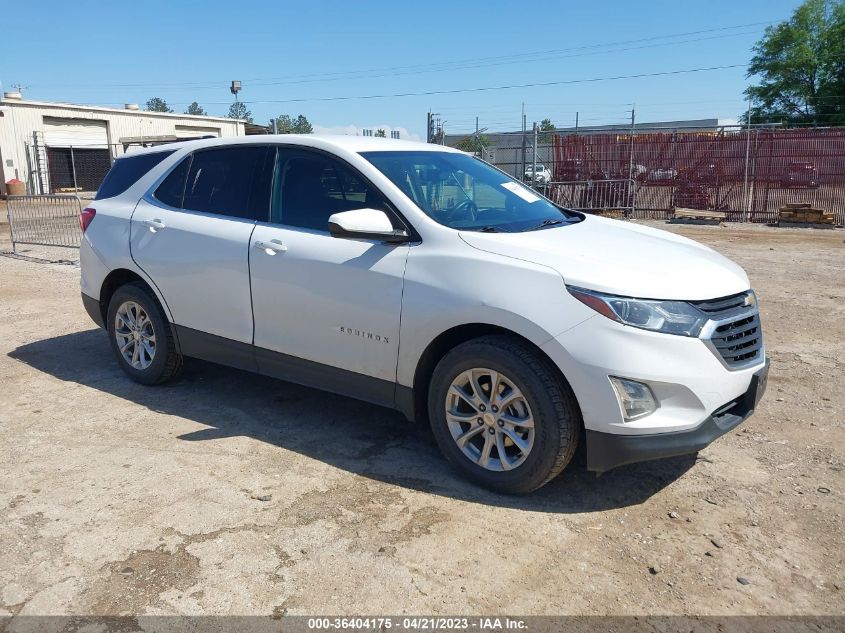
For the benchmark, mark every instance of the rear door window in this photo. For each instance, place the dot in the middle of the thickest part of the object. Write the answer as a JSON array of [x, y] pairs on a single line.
[[232, 181], [127, 171]]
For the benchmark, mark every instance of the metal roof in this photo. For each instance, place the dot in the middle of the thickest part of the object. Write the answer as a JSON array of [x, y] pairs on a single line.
[[94, 108]]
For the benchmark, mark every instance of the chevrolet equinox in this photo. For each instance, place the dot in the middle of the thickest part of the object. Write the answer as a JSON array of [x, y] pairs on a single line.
[[418, 277]]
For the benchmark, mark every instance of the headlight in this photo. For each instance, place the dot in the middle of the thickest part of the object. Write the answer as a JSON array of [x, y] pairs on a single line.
[[670, 317]]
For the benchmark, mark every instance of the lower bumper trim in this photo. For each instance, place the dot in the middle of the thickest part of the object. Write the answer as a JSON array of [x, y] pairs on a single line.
[[92, 307], [606, 451]]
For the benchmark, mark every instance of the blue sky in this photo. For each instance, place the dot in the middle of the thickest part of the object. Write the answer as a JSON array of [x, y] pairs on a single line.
[[291, 55]]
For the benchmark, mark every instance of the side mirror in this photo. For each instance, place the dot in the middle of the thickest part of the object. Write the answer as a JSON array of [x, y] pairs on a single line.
[[365, 224]]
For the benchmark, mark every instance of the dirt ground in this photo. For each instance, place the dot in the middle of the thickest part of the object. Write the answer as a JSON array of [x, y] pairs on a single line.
[[227, 493]]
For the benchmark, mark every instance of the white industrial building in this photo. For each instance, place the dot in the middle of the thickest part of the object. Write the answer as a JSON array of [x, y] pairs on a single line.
[[64, 147]]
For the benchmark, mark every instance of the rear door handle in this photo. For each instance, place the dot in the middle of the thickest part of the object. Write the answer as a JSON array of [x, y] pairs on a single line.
[[155, 225], [272, 247]]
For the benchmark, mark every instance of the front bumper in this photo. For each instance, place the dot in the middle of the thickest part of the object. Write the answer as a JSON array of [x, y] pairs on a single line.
[[607, 450], [688, 380]]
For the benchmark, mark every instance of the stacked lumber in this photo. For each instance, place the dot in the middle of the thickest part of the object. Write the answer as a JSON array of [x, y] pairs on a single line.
[[698, 214], [804, 214]]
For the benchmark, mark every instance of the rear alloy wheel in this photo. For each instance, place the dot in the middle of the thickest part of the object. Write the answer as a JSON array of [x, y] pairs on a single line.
[[502, 414], [135, 335], [141, 337]]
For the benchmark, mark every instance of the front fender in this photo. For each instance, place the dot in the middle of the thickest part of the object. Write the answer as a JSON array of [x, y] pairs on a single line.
[[483, 288]]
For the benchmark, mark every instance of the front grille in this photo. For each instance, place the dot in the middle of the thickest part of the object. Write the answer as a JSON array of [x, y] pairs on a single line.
[[717, 309], [736, 337]]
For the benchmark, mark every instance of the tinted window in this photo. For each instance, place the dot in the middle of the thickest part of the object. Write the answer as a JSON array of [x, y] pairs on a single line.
[[172, 188], [311, 187], [127, 171], [233, 181]]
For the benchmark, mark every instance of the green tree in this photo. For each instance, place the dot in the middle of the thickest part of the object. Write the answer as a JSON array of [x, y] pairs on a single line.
[[800, 66], [547, 129], [381, 133], [238, 110], [474, 143], [195, 109], [287, 124], [156, 104]]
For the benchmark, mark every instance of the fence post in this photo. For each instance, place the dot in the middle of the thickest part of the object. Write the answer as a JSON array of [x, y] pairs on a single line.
[[73, 166], [633, 130], [747, 200], [11, 221]]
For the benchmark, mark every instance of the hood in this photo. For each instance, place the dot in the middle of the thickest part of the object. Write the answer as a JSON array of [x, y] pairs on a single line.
[[622, 258]]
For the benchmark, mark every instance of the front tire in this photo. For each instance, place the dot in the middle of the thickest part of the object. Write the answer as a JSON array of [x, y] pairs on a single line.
[[502, 415], [141, 337]]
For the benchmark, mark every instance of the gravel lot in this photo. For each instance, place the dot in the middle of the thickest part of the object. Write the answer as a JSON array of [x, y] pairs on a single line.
[[228, 493]]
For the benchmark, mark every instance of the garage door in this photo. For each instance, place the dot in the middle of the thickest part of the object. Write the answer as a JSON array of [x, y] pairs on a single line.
[[75, 132]]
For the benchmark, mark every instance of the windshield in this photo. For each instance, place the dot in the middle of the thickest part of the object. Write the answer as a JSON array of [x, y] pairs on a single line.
[[467, 194]]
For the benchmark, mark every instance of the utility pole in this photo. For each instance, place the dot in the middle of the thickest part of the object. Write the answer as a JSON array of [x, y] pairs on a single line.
[[576, 122], [522, 173], [534, 158], [477, 144], [434, 129]]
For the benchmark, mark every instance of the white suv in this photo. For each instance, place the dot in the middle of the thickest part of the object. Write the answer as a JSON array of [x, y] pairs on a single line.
[[417, 277], [542, 176]]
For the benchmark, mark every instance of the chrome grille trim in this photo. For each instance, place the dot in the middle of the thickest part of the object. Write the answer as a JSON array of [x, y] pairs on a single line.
[[733, 332]]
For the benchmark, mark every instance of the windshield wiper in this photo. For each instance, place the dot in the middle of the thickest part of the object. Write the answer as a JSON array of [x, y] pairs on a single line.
[[489, 229], [548, 222]]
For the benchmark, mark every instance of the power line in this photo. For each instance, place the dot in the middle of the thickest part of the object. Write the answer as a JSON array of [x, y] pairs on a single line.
[[605, 50], [505, 87], [458, 64], [427, 93]]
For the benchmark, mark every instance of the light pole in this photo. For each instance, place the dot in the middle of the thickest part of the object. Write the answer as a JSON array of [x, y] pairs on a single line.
[[235, 88]]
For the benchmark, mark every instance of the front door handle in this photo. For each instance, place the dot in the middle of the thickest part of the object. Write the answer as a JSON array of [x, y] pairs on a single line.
[[272, 247], [155, 225]]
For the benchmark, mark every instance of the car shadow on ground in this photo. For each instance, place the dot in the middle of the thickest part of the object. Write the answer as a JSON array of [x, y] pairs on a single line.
[[358, 437]]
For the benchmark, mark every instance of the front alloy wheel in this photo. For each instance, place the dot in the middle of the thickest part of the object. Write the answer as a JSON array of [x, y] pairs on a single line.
[[489, 419], [502, 414]]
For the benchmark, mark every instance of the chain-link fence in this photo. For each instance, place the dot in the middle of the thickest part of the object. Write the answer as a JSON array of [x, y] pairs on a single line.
[[49, 220], [747, 173]]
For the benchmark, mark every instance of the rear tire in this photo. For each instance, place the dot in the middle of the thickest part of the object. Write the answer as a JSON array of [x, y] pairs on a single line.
[[537, 427], [141, 337]]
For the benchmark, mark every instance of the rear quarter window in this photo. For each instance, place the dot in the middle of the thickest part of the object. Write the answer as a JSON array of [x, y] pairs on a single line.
[[126, 171], [172, 189]]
